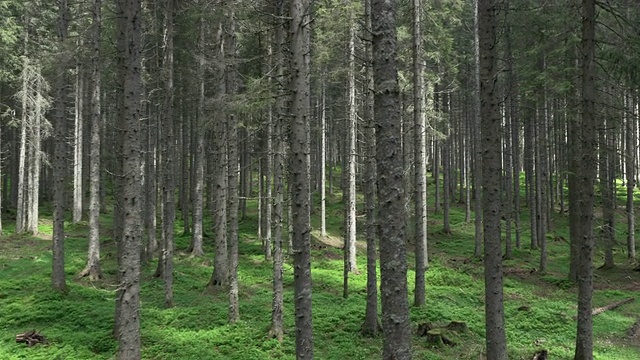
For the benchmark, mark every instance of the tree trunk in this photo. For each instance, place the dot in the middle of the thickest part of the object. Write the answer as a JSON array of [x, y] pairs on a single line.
[[350, 265], [391, 204], [232, 158], [585, 185], [496, 341], [169, 151], [420, 199], [630, 160], [220, 275], [93, 269], [59, 157], [128, 295], [371, 326], [77, 143], [299, 170]]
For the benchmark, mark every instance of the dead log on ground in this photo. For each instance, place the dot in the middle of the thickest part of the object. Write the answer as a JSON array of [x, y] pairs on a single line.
[[612, 306], [541, 355], [31, 338]]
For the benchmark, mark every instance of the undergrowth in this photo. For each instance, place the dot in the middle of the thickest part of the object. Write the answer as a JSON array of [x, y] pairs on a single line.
[[539, 308]]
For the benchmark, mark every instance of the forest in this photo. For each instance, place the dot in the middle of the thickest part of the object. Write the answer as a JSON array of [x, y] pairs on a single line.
[[331, 179]]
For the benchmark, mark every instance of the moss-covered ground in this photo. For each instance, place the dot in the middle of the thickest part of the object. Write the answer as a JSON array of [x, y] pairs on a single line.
[[539, 308]]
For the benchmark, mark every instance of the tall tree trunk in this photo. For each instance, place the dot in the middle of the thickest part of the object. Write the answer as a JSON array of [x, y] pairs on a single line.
[[496, 341], [585, 185], [220, 275], [477, 141], [630, 160], [420, 199], [59, 157], [277, 309], [391, 204], [232, 158], [371, 326], [169, 151], [350, 265], [78, 143], [128, 295], [299, 170], [93, 269], [323, 164]]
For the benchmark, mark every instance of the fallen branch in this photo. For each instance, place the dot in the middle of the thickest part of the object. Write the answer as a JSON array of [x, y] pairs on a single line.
[[600, 310], [31, 338]]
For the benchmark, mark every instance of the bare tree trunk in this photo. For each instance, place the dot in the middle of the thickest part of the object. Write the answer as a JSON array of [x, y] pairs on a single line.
[[350, 265], [585, 185], [391, 203], [630, 160], [220, 275], [371, 326], [477, 142], [93, 269], [168, 168], [232, 158], [128, 295], [323, 164], [299, 169], [496, 341], [420, 199], [77, 144], [59, 157]]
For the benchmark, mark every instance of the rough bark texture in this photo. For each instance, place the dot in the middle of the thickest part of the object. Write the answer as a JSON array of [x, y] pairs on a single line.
[[93, 269], [391, 203], [299, 170], [128, 330], [585, 185], [491, 180], [232, 158], [277, 309], [419, 147], [198, 156], [220, 275], [477, 142], [78, 193], [169, 151], [371, 326], [59, 155], [630, 160]]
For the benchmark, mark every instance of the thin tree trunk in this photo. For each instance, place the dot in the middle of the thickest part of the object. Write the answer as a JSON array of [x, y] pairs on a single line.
[[93, 269], [59, 157], [630, 130], [371, 326], [420, 199], [77, 144]]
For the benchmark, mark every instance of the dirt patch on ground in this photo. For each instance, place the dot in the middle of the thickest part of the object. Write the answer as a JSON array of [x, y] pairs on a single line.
[[332, 241]]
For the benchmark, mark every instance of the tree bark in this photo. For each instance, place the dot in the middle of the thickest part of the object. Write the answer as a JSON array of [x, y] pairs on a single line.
[[585, 185], [391, 203], [59, 157], [420, 197], [93, 269], [496, 341], [299, 170], [128, 295]]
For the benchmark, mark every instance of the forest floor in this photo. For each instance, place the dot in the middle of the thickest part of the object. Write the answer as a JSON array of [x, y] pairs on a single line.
[[539, 308]]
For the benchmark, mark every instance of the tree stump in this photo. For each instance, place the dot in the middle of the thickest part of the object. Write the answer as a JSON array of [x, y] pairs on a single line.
[[541, 355]]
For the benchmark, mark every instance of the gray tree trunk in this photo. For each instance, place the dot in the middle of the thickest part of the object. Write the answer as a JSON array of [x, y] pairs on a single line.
[[496, 341], [419, 148], [128, 295], [232, 158], [197, 195], [630, 160], [585, 185], [169, 151], [220, 275], [299, 170], [78, 143], [350, 265], [371, 326], [391, 204], [93, 269], [59, 156], [277, 309]]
